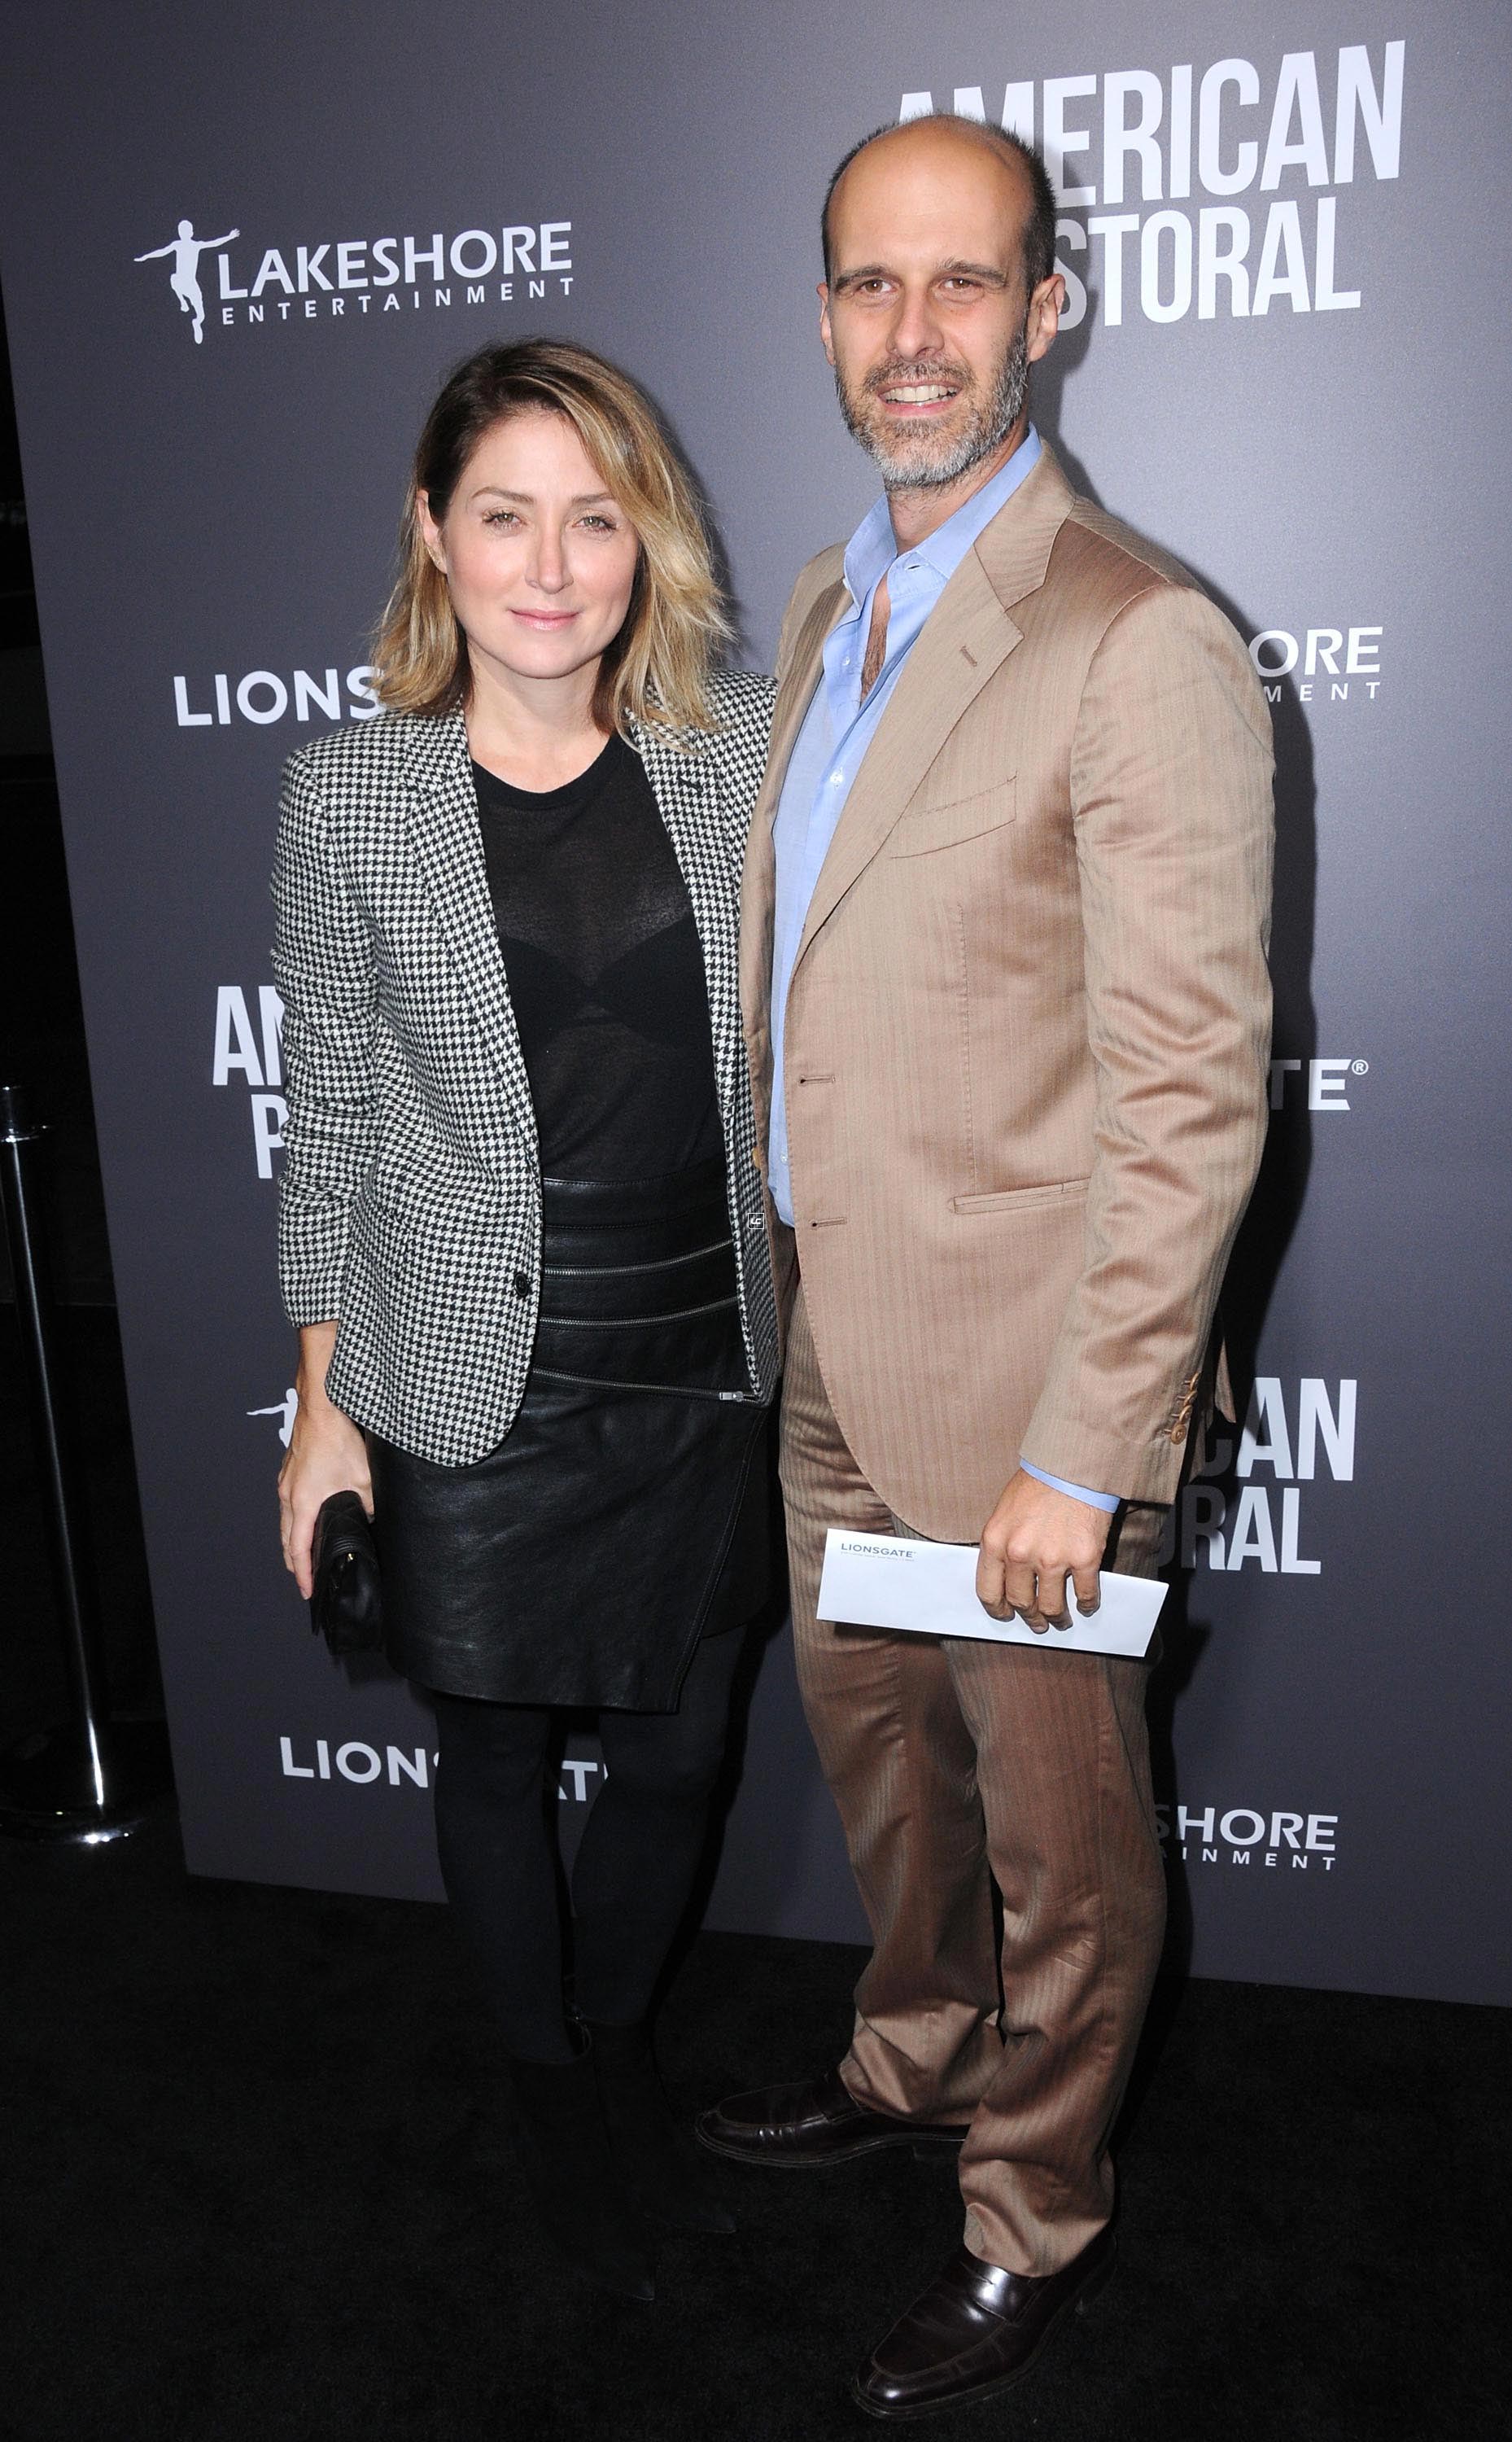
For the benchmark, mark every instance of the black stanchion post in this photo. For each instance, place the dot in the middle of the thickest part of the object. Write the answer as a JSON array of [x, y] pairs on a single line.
[[85, 1780]]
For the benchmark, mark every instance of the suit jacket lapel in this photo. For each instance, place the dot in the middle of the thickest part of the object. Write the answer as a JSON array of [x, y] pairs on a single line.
[[793, 699], [967, 637], [441, 813], [797, 694]]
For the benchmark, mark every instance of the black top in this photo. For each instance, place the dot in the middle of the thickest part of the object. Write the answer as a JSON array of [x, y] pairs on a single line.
[[604, 971]]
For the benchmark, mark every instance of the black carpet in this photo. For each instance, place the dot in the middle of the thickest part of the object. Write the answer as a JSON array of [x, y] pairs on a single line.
[[259, 2185]]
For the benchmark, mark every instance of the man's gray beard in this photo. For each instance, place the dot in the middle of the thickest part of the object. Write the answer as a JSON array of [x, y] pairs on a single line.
[[919, 461]]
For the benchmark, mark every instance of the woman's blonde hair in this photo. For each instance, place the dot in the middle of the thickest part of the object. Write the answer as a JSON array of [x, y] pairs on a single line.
[[657, 668]]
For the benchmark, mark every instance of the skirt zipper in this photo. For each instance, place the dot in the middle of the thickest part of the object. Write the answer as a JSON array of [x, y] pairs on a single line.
[[672, 1390], [661, 1263]]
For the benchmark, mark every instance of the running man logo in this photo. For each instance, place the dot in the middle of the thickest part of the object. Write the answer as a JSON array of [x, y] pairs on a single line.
[[183, 280], [285, 1410]]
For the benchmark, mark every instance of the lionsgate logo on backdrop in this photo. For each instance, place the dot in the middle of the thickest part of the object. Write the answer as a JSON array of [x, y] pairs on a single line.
[[1324, 1085], [347, 279], [266, 697], [363, 1766], [1158, 136]]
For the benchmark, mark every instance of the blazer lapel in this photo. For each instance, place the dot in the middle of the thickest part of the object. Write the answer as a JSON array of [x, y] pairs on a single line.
[[441, 813], [967, 637]]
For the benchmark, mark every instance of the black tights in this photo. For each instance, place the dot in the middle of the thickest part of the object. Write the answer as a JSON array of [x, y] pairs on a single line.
[[495, 1832]]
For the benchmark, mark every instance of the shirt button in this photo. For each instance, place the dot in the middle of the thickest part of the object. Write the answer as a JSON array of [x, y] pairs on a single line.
[[523, 1285]]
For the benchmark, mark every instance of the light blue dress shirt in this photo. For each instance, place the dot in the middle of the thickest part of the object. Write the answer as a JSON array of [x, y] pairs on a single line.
[[836, 732]]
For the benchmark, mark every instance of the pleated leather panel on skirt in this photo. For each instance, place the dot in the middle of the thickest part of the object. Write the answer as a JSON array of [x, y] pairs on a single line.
[[624, 1514]]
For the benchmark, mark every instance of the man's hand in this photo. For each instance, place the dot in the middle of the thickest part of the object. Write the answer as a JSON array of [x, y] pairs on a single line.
[[1036, 1539]]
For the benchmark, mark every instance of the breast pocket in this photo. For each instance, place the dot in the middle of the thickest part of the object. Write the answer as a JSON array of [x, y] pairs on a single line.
[[925, 829], [1062, 1192]]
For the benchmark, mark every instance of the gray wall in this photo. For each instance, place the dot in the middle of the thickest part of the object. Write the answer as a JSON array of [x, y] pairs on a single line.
[[1331, 461]]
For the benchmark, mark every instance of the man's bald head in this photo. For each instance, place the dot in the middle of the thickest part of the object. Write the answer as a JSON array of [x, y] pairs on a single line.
[[948, 127]]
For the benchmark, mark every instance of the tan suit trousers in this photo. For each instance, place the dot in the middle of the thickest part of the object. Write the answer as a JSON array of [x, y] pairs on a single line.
[[956, 1765]]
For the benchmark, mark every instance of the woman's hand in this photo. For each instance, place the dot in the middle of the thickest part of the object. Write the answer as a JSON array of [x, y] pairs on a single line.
[[326, 1454]]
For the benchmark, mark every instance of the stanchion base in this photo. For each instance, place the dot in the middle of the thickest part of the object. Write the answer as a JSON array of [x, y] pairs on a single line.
[[46, 1791]]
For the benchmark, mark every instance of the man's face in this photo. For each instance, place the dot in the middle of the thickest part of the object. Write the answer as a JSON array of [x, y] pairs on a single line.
[[925, 318]]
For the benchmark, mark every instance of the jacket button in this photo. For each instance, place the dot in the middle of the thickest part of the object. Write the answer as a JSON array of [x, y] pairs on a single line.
[[523, 1285], [1178, 1432]]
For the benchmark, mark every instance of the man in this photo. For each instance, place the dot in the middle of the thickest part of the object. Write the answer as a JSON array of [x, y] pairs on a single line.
[[1009, 886]]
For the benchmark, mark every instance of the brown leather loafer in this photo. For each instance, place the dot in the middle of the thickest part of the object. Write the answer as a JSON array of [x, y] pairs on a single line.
[[975, 2330], [803, 2127]]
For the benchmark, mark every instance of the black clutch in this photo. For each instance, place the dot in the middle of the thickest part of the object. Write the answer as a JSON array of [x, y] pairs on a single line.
[[346, 1603]]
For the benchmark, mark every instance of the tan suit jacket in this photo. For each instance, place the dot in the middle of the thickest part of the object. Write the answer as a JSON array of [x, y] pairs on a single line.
[[1029, 1024]]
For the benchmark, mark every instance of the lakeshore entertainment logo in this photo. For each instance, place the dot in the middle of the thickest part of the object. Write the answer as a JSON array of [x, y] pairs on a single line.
[[345, 279], [1323, 665], [1154, 136], [1292, 1433], [364, 1766], [255, 1054], [1282, 1840]]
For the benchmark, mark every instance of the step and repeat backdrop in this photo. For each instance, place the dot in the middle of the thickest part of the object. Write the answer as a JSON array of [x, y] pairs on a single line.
[[239, 249]]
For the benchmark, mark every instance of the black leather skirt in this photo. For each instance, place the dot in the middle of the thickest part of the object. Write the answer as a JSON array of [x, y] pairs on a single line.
[[623, 1515]]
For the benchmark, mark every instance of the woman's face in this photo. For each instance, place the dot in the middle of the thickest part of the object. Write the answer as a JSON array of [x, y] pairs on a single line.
[[539, 558]]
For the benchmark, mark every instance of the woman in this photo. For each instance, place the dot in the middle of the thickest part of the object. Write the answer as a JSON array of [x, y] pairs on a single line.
[[520, 1227]]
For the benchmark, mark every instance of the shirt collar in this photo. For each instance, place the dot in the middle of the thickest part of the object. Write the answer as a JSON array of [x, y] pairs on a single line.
[[873, 547]]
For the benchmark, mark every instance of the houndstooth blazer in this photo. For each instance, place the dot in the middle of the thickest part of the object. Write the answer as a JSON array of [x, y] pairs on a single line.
[[409, 1204]]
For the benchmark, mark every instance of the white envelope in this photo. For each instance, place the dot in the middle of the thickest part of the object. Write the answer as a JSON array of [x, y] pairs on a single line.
[[930, 1590]]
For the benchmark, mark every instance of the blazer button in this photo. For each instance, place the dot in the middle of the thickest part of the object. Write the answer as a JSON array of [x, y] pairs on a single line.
[[1178, 1432], [523, 1285]]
